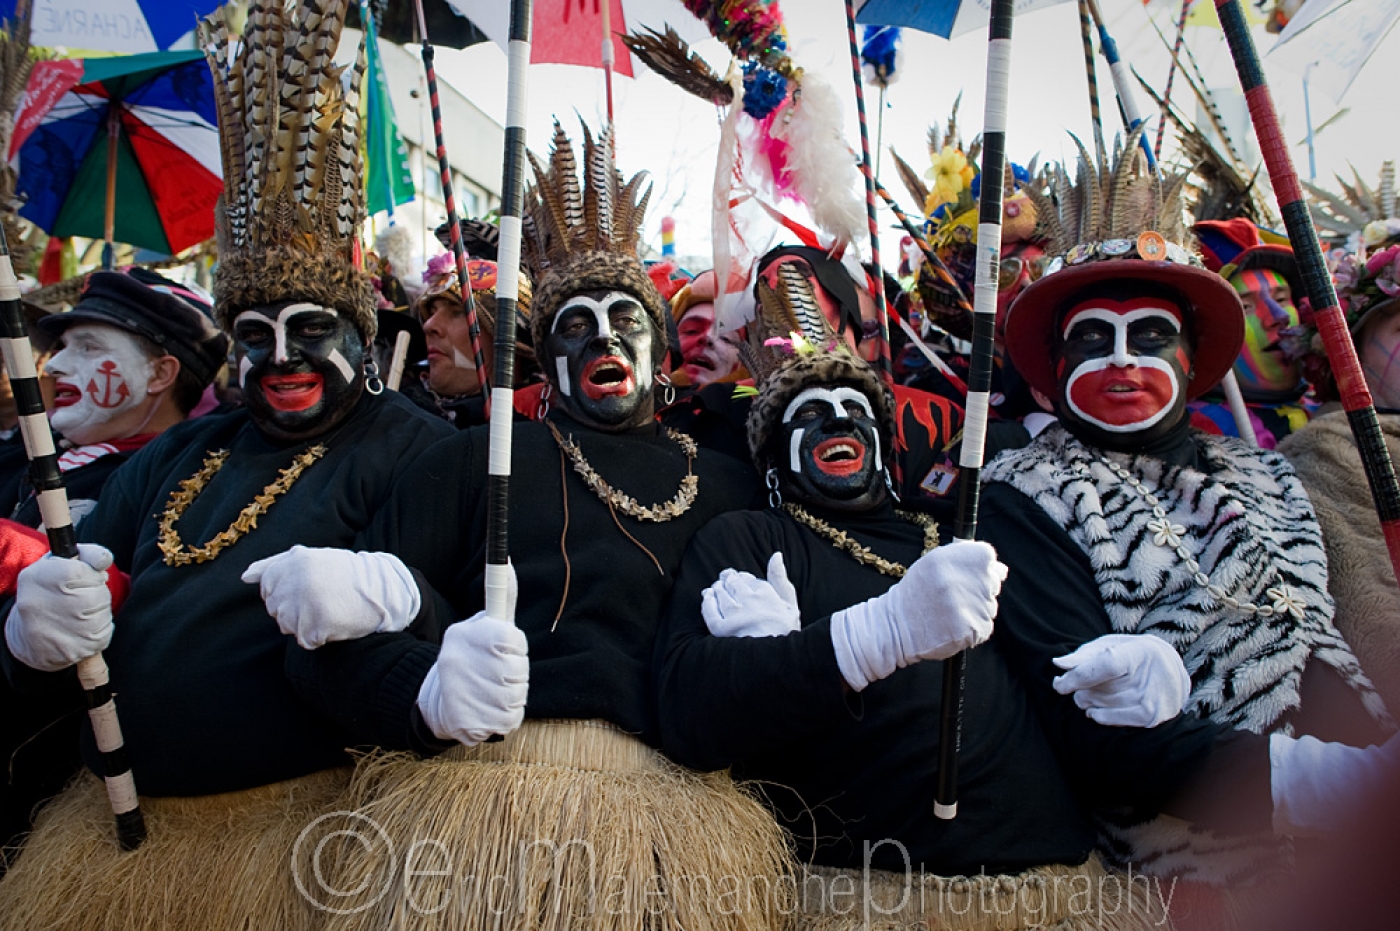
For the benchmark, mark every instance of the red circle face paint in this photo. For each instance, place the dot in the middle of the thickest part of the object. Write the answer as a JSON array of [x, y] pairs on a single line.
[[1123, 363]]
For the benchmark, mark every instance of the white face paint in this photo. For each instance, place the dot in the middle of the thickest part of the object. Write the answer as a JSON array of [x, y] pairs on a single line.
[[837, 398], [1164, 390], [102, 377], [561, 368], [599, 309], [459, 360], [279, 335]]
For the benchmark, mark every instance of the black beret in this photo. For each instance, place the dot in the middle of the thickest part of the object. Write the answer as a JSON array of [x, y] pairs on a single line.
[[143, 302]]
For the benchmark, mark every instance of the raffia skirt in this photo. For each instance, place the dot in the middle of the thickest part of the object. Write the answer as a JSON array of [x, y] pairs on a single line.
[[1052, 898], [563, 826], [231, 862]]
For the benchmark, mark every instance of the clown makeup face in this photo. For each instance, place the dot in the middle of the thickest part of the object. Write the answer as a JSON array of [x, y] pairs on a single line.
[[1123, 368], [101, 377], [300, 366], [1261, 368], [708, 356], [1379, 348], [600, 352], [830, 449]]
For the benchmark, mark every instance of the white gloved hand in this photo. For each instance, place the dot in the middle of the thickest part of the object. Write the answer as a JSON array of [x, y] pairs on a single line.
[[63, 610], [320, 595], [1125, 680], [740, 605], [1319, 786], [478, 686], [944, 604]]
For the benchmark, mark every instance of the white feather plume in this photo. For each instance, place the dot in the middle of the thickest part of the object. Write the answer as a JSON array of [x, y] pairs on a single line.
[[822, 169]]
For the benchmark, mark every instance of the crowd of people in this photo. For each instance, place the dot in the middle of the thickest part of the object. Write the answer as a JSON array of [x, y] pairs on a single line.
[[714, 701]]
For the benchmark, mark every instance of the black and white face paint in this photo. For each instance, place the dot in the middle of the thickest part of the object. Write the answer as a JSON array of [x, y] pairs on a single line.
[[832, 440], [300, 366], [602, 344]]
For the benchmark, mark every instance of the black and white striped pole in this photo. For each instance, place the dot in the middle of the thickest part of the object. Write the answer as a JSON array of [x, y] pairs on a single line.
[[63, 541], [979, 380], [507, 299]]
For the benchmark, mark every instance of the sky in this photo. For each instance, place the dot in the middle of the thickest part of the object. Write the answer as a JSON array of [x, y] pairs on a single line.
[[674, 136]]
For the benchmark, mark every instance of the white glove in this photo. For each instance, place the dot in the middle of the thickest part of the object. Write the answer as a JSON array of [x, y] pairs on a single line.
[[478, 686], [1125, 680], [321, 595], [740, 605], [944, 605], [1318, 786], [63, 610]]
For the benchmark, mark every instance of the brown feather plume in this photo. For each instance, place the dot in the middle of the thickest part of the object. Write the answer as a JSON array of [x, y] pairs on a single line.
[[669, 56]]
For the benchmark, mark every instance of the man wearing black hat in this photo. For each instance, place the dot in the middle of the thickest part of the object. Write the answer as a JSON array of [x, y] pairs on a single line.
[[135, 355]]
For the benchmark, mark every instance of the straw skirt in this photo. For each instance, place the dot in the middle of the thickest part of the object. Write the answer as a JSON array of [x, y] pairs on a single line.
[[563, 825], [231, 862]]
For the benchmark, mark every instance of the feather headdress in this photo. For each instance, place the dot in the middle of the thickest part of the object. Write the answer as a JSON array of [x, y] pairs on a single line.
[[791, 345], [582, 237], [1361, 216], [289, 134], [15, 64]]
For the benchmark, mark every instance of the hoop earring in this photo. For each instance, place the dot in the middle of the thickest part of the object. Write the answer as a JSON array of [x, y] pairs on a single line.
[[775, 497], [544, 401], [668, 390], [373, 383]]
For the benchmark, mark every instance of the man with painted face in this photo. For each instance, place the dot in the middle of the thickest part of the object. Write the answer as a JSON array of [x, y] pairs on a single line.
[[231, 763], [1265, 276], [135, 355], [1130, 522], [707, 355], [603, 501]]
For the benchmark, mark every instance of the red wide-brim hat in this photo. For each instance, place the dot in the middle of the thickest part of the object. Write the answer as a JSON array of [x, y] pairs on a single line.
[[1217, 316]]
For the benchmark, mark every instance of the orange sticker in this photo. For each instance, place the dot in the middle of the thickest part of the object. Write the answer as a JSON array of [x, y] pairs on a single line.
[[482, 274], [1152, 246]]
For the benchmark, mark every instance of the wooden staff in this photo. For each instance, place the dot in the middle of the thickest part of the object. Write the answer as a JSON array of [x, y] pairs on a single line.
[[979, 378], [459, 252], [63, 541], [1317, 283], [507, 299]]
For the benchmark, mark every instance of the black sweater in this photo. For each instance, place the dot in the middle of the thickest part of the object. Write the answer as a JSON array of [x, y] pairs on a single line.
[[197, 663], [842, 769], [595, 660]]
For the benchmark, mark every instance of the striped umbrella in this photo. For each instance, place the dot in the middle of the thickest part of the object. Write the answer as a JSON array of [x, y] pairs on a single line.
[[121, 149], [1331, 324]]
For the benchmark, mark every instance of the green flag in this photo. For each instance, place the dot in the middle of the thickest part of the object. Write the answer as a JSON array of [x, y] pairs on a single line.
[[388, 181]]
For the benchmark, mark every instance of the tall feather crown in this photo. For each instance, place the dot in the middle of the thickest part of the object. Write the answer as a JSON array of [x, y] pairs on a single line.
[[583, 237], [16, 62], [289, 134]]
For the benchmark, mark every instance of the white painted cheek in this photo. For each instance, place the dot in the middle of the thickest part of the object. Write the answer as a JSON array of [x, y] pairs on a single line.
[[561, 368], [461, 361], [879, 464], [243, 366], [795, 450], [344, 367]]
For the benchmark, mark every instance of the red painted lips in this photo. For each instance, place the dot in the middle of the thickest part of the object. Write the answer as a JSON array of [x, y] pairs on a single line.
[[839, 455], [1121, 397], [607, 376], [293, 392]]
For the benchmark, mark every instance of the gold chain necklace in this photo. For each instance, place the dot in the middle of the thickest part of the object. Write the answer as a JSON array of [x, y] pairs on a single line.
[[862, 554], [176, 553], [628, 505]]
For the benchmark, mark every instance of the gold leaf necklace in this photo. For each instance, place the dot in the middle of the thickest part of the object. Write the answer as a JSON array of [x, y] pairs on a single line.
[[659, 513], [862, 554], [174, 550]]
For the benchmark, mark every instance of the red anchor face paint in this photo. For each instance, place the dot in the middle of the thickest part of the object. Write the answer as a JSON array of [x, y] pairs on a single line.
[[101, 375], [1123, 366]]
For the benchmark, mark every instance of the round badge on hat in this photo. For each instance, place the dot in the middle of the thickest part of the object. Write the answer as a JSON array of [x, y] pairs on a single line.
[[1152, 246]]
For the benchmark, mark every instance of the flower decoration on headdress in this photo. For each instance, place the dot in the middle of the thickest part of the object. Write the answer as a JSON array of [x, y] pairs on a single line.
[[951, 175]]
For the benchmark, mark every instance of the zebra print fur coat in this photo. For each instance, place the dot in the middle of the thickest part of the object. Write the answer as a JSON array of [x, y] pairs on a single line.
[[1248, 525]]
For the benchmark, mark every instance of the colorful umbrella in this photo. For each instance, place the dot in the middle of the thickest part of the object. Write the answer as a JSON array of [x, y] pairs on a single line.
[[124, 27], [123, 149]]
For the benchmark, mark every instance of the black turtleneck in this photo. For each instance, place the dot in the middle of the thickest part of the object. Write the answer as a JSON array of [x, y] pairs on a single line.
[[1175, 447]]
